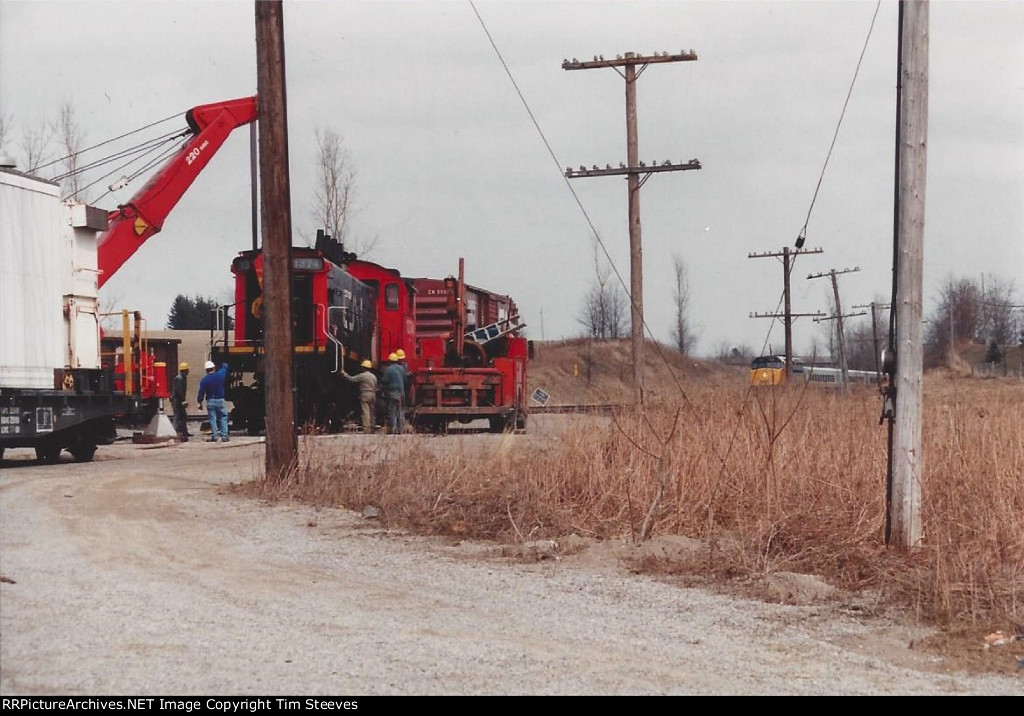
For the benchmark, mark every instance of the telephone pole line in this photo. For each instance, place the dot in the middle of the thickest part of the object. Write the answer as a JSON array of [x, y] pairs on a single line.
[[839, 318], [875, 308], [912, 159], [633, 66], [787, 255], [282, 444]]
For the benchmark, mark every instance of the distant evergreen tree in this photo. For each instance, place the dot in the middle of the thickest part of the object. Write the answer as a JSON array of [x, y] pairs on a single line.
[[189, 313], [994, 354]]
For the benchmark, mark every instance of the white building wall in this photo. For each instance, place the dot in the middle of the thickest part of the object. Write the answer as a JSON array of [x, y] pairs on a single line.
[[33, 222]]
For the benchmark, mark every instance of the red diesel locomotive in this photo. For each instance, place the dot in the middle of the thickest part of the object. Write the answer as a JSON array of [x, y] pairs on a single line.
[[465, 352]]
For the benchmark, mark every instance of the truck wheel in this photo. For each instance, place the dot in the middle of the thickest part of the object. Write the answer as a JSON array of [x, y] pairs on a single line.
[[502, 425], [253, 426], [83, 452], [48, 453]]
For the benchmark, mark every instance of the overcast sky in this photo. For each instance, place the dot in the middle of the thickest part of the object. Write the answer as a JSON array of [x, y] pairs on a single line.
[[450, 164]]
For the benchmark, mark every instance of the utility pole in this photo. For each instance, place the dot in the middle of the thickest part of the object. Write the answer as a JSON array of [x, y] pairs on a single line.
[[842, 345], [787, 256], [876, 344], [843, 370], [282, 445], [912, 143], [630, 72]]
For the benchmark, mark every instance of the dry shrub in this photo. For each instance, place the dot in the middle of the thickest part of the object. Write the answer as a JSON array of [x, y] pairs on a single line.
[[776, 479]]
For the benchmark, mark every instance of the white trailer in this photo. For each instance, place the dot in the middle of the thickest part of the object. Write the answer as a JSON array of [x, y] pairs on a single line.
[[55, 394]]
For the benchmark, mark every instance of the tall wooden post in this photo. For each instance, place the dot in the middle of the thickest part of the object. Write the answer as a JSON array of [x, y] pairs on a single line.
[[630, 73], [636, 257], [282, 444], [788, 310], [788, 258], [840, 333], [913, 136]]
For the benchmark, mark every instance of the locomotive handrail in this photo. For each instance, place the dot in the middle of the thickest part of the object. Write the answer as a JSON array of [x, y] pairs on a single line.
[[220, 323], [339, 347]]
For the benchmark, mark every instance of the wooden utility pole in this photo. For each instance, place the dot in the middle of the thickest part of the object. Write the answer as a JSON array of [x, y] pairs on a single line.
[[787, 256], [635, 168], [875, 341], [912, 136], [282, 444], [840, 334]]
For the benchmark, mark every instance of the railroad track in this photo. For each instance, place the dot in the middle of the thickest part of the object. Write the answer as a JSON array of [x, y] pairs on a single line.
[[582, 408]]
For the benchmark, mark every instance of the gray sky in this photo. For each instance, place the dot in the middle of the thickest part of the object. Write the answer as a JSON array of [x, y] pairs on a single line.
[[450, 164]]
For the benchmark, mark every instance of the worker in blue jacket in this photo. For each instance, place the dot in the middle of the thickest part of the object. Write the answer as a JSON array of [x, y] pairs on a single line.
[[392, 385], [211, 387]]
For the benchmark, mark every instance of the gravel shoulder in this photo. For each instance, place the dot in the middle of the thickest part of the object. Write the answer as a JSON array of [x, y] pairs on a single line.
[[141, 574]]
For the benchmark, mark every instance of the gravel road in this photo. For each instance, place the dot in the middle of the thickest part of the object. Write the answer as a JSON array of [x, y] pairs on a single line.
[[138, 575]]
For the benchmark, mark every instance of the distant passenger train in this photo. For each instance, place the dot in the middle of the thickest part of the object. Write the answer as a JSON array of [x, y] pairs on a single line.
[[771, 370]]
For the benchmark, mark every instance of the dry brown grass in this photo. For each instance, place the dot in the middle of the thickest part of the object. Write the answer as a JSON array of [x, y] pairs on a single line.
[[780, 479]]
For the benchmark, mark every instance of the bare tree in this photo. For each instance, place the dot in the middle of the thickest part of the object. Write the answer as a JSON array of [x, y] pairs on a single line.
[[830, 329], [682, 334], [860, 345], [956, 318], [6, 124], [71, 138], [34, 146], [730, 354], [33, 143], [605, 305], [335, 197], [997, 305]]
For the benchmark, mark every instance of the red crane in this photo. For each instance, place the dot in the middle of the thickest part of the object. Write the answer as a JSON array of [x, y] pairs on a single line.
[[131, 224]]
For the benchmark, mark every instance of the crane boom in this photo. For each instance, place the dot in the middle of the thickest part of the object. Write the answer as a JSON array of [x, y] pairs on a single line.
[[131, 224]]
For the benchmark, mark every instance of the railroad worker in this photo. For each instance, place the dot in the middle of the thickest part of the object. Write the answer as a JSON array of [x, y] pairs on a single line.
[[367, 383], [392, 385], [211, 387], [179, 395], [405, 377]]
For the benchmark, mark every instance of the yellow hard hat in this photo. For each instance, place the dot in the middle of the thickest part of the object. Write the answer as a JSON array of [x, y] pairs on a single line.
[[400, 354], [393, 357], [183, 366], [366, 364]]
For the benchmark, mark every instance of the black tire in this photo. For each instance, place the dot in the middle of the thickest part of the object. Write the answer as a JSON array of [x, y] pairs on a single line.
[[83, 451], [504, 424], [429, 425], [253, 426], [48, 454]]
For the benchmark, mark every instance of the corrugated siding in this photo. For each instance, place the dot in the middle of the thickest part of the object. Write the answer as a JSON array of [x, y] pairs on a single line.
[[32, 226]]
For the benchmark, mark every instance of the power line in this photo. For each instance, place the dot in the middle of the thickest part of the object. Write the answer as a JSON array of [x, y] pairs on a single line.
[[803, 231]]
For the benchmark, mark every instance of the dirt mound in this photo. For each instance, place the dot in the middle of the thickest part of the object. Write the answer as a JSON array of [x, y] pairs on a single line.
[[586, 371]]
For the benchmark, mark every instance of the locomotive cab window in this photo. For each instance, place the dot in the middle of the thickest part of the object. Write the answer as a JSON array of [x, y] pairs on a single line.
[[391, 297], [303, 318]]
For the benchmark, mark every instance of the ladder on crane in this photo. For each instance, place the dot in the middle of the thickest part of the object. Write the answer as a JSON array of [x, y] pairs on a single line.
[[494, 331]]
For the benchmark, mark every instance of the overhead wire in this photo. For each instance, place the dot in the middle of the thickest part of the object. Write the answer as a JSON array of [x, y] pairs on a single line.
[[803, 231], [168, 149], [802, 236], [108, 141], [596, 234]]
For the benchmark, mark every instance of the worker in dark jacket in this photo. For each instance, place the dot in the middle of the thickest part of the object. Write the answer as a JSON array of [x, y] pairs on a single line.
[[211, 387], [392, 385], [400, 354], [179, 401], [367, 383]]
